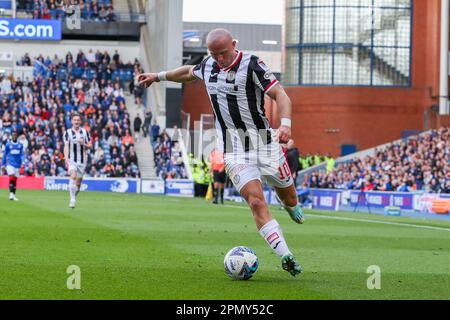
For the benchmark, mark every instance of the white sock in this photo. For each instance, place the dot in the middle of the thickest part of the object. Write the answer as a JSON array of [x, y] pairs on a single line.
[[72, 189], [271, 232]]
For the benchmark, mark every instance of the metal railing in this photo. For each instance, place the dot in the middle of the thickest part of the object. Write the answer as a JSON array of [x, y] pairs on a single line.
[[353, 42]]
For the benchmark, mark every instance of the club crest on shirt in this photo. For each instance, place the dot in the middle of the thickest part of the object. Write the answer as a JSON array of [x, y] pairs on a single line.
[[231, 75]]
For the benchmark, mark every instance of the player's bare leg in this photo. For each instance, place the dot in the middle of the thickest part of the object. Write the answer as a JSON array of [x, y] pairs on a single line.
[[289, 200], [253, 194], [78, 184], [73, 188], [268, 227]]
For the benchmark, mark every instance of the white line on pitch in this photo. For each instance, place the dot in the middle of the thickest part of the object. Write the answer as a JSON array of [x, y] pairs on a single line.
[[364, 220]]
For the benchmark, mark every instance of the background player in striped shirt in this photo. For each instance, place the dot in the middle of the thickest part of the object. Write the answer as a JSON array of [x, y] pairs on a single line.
[[236, 83], [12, 160], [77, 141]]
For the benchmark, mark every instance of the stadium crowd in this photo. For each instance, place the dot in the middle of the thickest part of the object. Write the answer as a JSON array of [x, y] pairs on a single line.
[[168, 155], [418, 163], [39, 110], [96, 10]]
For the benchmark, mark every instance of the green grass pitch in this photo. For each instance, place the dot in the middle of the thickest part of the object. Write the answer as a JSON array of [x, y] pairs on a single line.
[[144, 247]]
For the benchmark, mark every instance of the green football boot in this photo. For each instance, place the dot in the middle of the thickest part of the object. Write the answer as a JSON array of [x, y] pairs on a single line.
[[290, 264]]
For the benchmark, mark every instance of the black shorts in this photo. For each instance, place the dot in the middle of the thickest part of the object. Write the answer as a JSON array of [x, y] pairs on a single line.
[[219, 176]]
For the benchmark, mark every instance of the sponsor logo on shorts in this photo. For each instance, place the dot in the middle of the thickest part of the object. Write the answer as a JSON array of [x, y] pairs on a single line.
[[274, 236], [237, 169], [236, 179]]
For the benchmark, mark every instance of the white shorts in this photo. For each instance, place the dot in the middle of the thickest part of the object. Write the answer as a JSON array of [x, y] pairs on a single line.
[[268, 164], [79, 169], [12, 171]]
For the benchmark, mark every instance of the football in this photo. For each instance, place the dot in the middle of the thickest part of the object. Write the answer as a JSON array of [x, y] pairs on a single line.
[[240, 263]]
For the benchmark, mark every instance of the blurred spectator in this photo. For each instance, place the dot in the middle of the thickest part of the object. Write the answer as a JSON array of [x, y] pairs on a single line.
[[147, 123], [155, 131], [127, 139], [137, 124], [293, 156]]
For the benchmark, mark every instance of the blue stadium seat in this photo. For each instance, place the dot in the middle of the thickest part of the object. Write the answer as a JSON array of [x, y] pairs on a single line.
[[130, 76], [77, 72], [90, 74], [115, 74], [122, 75]]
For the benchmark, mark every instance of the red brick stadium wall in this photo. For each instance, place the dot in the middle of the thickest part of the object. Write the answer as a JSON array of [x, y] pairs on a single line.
[[195, 100], [324, 118]]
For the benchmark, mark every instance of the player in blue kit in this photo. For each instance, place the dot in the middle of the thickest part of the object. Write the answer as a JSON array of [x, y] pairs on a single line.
[[12, 160]]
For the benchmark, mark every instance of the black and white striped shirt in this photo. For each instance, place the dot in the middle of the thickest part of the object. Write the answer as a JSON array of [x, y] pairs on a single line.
[[77, 152], [237, 97]]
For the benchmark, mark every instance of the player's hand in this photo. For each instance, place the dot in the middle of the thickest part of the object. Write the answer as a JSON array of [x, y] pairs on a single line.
[[147, 79], [81, 141], [284, 134]]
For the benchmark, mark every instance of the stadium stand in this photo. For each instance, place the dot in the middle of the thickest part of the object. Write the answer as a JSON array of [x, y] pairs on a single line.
[[39, 110], [167, 155], [417, 163], [95, 10]]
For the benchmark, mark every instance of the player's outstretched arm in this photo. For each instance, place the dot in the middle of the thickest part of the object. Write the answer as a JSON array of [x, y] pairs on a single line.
[[284, 107], [180, 75]]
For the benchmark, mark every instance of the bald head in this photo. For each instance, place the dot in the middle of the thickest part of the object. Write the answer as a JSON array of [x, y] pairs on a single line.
[[221, 46], [218, 35]]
